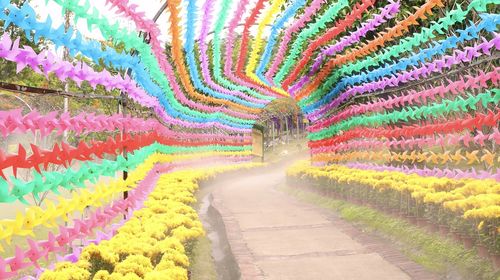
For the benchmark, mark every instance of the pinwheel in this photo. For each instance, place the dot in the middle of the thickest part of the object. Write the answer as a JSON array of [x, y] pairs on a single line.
[[449, 19], [5, 196], [73, 257], [59, 37], [35, 252], [64, 237], [50, 245], [380, 104], [80, 227], [471, 157], [7, 50], [6, 161], [20, 189], [16, 227], [17, 263], [360, 89], [368, 102], [4, 274]]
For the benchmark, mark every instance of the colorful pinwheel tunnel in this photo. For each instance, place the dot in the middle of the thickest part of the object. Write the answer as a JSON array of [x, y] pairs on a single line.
[[110, 114]]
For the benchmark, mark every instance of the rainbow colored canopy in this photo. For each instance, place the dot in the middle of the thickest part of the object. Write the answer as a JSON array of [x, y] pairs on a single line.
[[384, 85]]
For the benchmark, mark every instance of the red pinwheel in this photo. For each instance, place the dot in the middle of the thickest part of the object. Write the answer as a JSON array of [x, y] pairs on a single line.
[[85, 151], [14, 161], [3, 163], [36, 158], [65, 155], [52, 157]]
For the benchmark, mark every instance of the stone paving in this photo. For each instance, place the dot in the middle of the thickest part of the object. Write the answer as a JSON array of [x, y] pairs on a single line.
[[273, 236]]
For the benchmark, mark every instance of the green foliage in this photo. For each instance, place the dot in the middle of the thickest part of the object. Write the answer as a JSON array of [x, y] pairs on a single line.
[[281, 107]]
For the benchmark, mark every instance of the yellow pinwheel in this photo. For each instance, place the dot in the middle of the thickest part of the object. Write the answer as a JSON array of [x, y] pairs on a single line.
[[445, 157], [488, 157], [472, 156], [432, 158], [457, 157]]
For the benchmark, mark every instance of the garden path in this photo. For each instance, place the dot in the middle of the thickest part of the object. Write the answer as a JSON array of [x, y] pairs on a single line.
[[274, 236]]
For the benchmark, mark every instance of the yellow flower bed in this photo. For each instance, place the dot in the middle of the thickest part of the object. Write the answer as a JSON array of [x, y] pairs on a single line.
[[472, 197], [151, 244]]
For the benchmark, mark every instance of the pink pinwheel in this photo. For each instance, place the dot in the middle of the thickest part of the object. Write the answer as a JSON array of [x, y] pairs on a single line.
[[44, 129], [495, 136], [29, 120], [479, 138], [4, 274], [50, 245], [97, 219], [35, 252], [118, 206], [64, 236], [17, 262], [64, 121]]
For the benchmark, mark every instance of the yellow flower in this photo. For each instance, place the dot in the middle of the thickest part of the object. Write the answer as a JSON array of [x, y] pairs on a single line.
[[480, 226], [150, 244]]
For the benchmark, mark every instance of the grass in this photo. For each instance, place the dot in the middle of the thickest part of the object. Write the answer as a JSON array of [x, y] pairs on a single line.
[[435, 253], [202, 266]]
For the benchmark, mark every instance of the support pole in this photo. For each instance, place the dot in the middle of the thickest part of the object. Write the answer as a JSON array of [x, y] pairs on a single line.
[[287, 128], [272, 136], [298, 126], [67, 16], [122, 109]]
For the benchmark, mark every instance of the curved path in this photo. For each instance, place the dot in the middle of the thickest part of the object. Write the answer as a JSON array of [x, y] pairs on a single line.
[[274, 236]]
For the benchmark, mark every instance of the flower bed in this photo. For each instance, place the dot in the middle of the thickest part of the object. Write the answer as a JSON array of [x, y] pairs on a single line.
[[467, 209], [152, 244]]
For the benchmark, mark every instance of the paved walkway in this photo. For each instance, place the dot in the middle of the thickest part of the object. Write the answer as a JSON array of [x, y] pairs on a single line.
[[274, 236]]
